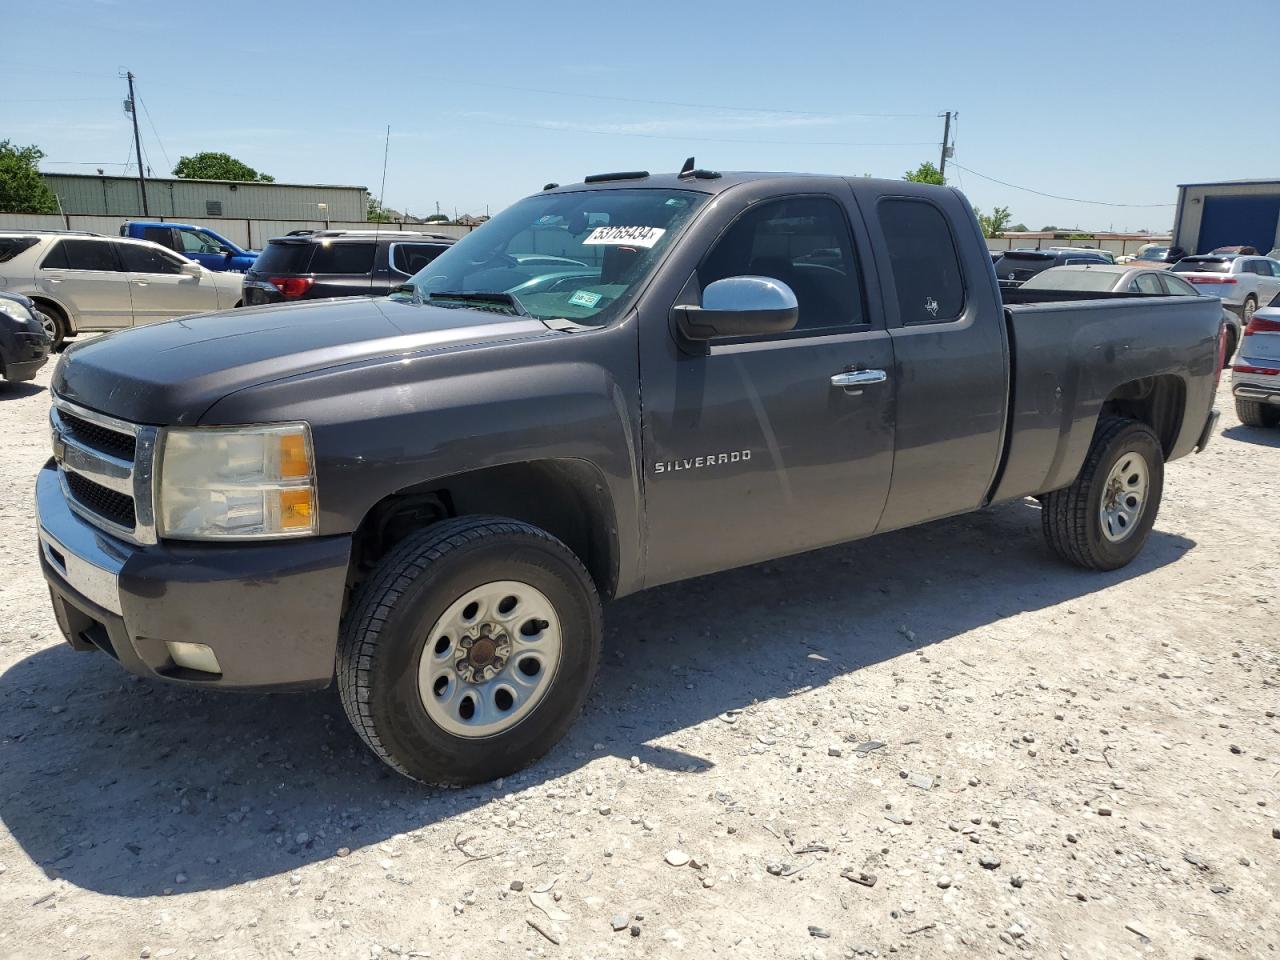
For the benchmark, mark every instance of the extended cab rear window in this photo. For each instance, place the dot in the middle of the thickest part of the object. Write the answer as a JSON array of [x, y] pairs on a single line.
[[284, 257], [1205, 265], [922, 253]]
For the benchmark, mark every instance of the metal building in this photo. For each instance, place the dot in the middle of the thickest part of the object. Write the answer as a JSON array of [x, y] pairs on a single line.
[[1228, 214], [104, 195]]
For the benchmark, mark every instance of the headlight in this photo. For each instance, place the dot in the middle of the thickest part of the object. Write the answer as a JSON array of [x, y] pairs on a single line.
[[12, 308], [237, 483]]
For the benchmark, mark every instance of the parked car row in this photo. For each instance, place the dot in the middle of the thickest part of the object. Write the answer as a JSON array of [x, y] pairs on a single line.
[[1255, 376]]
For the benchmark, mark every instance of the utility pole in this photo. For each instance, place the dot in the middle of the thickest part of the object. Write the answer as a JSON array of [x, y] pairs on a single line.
[[137, 144], [946, 139]]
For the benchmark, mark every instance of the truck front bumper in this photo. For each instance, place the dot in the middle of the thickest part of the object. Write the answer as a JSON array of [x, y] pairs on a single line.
[[265, 615]]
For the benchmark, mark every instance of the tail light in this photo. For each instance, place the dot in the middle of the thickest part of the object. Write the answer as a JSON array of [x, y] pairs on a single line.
[[1212, 279], [292, 287], [1262, 325], [1260, 371]]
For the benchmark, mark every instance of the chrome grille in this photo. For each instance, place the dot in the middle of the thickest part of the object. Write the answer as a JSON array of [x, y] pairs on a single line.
[[105, 467]]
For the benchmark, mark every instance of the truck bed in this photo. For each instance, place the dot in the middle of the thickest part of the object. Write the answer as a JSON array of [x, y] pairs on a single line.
[[1059, 384]]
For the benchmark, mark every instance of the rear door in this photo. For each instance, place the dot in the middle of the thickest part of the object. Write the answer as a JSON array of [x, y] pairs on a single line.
[[343, 268], [84, 274], [951, 362], [751, 450], [160, 289]]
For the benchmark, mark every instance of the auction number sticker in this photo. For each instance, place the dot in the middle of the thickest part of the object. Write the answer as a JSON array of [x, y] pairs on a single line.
[[644, 237], [585, 298]]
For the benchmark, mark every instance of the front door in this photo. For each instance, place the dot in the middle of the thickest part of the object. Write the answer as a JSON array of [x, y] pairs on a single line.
[[83, 274], [751, 449], [160, 289], [202, 248]]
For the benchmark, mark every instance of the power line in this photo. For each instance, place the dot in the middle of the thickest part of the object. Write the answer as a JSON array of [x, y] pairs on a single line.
[[1054, 196], [56, 99], [678, 103], [168, 162], [685, 139]]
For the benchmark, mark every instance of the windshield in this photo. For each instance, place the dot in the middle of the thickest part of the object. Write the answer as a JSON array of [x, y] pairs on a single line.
[[1206, 265], [570, 256], [1155, 254]]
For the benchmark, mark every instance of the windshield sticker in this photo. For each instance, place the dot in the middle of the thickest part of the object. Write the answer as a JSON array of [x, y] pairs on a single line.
[[644, 237], [585, 298]]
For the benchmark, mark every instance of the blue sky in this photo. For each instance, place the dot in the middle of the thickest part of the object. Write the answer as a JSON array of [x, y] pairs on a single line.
[[1108, 101]]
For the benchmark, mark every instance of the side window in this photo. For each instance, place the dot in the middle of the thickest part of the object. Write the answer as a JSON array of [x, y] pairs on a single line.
[[192, 242], [160, 235], [56, 258], [343, 258], [139, 259], [409, 258], [1147, 283], [1275, 267], [922, 254], [89, 255], [805, 243], [1178, 287]]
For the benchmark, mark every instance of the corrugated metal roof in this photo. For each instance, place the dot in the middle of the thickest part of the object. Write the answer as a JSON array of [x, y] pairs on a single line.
[[257, 183], [1233, 183]]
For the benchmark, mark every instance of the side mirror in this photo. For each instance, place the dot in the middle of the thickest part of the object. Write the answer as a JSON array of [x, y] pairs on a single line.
[[192, 269], [226, 251], [740, 307]]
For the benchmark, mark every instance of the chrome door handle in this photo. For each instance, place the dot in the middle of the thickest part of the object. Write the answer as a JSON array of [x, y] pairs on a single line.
[[858, 378]]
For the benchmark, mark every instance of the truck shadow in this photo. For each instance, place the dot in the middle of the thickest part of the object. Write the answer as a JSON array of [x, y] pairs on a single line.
[[132, 788]]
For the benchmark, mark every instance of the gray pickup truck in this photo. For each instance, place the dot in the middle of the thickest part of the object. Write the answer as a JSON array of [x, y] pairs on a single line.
[[609, 386]]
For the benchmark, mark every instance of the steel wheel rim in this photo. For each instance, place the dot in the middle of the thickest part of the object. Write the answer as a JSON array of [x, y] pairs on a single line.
[[1249, 307], [48, 325], [1124, 496], [489, 659]]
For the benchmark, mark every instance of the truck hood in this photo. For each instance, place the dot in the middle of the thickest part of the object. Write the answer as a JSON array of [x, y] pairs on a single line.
[[171, 373]]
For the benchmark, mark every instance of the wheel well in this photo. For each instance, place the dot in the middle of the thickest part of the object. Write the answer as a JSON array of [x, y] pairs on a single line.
[[567, 498], [1156, 401], [51, 307]]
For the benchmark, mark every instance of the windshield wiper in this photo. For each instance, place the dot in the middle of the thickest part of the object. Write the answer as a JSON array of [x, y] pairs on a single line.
[[489, 297]]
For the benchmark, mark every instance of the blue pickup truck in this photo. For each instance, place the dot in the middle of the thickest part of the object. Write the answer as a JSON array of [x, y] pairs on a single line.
[[199, 243]]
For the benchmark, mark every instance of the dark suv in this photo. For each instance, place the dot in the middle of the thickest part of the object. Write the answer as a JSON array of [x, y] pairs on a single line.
[[311, 264]]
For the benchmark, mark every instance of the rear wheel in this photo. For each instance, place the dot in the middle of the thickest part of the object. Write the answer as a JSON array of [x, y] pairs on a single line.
[[470, 650], [53, 323], [1102, 520], [1229, 347], [1252, 413]]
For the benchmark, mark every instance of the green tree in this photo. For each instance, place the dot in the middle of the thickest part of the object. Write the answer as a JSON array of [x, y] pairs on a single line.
[[218, 166], [376, 214], [22, 189], [925, 173], [1019, 228], [437, 218], [995, 223]]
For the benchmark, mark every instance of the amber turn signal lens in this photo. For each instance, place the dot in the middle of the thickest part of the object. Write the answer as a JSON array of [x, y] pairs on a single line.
[[293, 455], [295, 509]]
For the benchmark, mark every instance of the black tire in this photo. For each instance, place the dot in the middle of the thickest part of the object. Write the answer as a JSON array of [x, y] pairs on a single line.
[[392, 613], [1071, 517], [1252, 413], [1230, 348], [52, 317]]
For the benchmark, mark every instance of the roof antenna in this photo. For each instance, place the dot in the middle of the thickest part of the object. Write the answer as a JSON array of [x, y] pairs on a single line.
[[687, 168]]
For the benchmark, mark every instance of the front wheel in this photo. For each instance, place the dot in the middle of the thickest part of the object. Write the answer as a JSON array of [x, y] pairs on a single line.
[[1250, 305], [470, 650], [1102, 520]]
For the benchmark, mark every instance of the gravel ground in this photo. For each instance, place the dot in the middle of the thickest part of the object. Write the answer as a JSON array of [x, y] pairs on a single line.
[[940, 741]]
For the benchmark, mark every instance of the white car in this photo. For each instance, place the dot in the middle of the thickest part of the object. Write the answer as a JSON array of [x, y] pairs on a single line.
[[1241, 282], [1131, 278], [83, 282], [1255, 376]]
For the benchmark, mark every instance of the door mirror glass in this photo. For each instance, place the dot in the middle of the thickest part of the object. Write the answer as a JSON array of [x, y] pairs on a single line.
[[740, 307]]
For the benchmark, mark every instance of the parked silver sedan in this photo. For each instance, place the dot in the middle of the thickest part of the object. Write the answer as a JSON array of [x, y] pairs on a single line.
[[1128, 278]]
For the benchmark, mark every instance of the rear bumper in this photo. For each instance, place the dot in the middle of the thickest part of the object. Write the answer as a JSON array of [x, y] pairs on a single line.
[[269, 612]]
